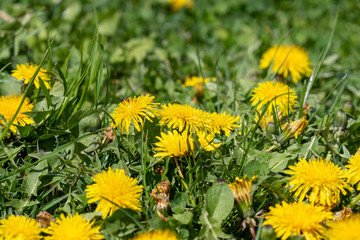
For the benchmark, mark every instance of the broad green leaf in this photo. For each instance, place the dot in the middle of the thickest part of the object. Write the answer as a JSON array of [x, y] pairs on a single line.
[[219, 201]]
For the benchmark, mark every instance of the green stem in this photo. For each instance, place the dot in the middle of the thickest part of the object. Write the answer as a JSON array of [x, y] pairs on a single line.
[[354, 201]]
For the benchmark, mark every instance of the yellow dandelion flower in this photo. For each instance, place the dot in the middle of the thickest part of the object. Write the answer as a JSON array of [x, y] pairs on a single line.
[[194, 81], [177, 4], [72, 228], [278, 94], [116, 187], [297, 218], [323, 178], [286, 60], [25, 72], [223, 121], [347, 229], [353, 174], [19, 228], [8, 107], [183, 117], [174, 144], [156, 235], [134, 110], [206, 141]]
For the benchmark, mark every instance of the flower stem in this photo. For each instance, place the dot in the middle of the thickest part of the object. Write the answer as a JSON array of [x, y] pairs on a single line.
[[354, 201], [183, 180]]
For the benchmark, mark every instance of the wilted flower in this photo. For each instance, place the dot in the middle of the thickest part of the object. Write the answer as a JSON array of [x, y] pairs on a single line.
[[8, 107], [114, 187], [161, 195], [25, 72], [297, 218], [286, 60], [278, 94], [134, 110], [292, 129], [44, 219], [72, 228], [243, 194], [323, 179]]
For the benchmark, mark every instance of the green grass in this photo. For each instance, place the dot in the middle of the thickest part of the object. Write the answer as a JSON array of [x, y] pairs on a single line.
[[101, 52]]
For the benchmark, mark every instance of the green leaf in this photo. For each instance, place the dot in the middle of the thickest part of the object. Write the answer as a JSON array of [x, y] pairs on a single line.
[[184, 218], [219, 201], [179, 203], [32, 180]]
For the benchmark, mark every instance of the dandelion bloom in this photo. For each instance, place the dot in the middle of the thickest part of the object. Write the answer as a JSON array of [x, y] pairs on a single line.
[[156, 235], [194, 81], [286, 60], [25, 72], [206, 141], [347, 229], [277, 94], [114, 187], [19, 228], [174, 144], [8, 107], [133, 110], [72, 228], [183, 117], [223, 121], [353, 174], [177, 4], [297, 218], [323, 178]]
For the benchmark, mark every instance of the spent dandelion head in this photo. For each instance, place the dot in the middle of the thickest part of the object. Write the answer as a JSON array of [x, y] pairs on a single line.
[[182, 117], [19, 228], [24, 72], [353, 174], [297, 218], [319, 181], [206, 141], [114, 187], [347, 229], [287, 60], [174, 144], [8, 107], [72, 228], [279, 96], [156, 235], [133, 110], [222, 122]]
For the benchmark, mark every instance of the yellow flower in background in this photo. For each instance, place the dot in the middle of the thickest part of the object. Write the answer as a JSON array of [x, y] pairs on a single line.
[[193, 81], [133, 110], [8, 107], [279, 95], [206, 141], [223, 121], [174, 144], [19, 228], [183, 117], [116, 187], [353, 174], [297, 218], [25, 72], [72, 228], [177, 4], [156, 235], [347, 229], [287, 60], [323, 179]]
